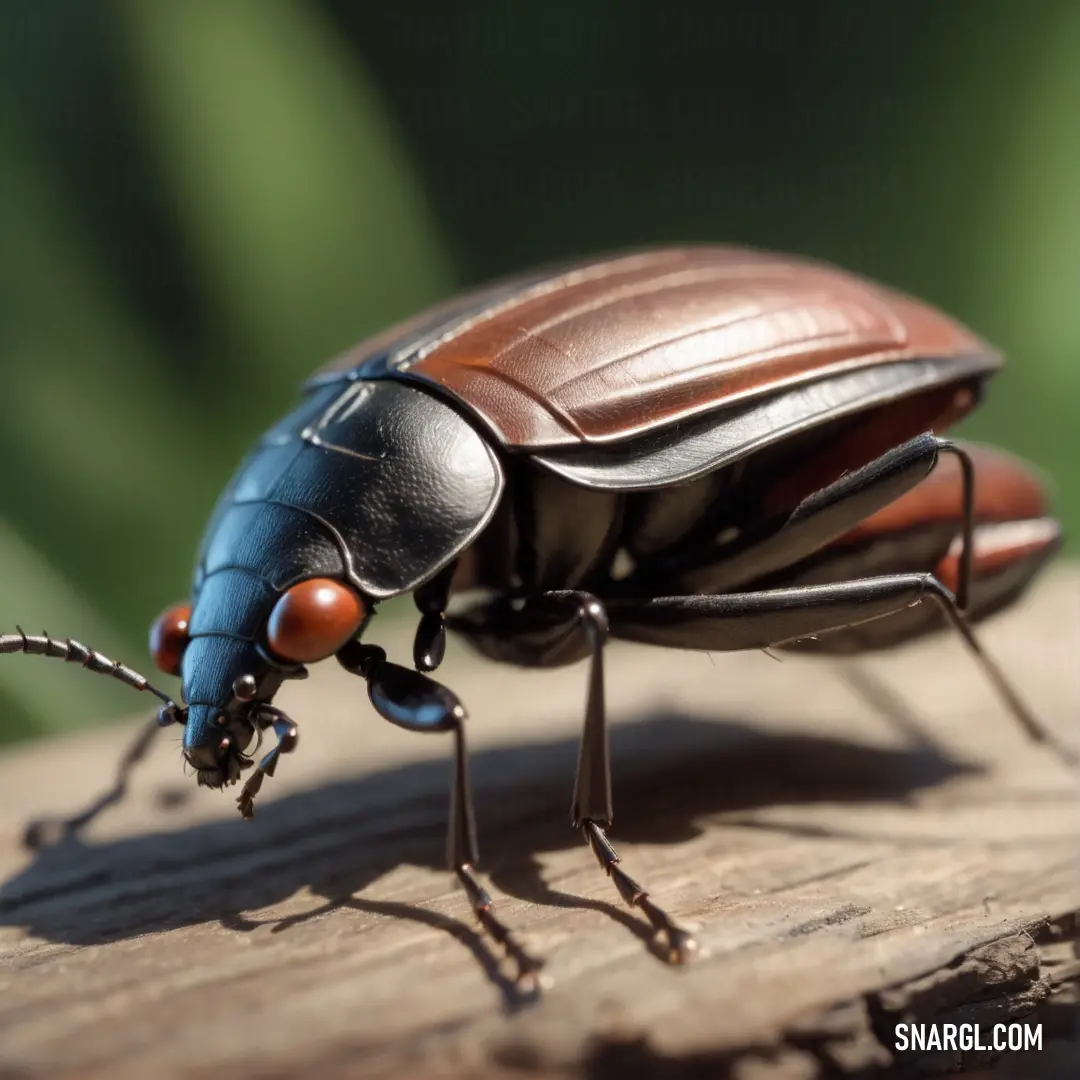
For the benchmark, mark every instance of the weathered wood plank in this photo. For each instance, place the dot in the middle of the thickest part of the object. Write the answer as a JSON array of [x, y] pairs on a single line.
[[854, 844]]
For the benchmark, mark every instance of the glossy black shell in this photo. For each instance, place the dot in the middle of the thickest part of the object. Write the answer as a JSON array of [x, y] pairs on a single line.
[[376, 483]]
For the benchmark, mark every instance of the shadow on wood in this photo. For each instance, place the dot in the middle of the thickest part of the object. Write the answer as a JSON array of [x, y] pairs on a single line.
[[339, 838]]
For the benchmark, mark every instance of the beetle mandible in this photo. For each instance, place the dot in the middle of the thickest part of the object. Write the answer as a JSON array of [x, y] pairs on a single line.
[[704, 448]]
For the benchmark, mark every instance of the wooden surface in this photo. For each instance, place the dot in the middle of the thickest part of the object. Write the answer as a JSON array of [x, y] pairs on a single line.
[[855, 844]]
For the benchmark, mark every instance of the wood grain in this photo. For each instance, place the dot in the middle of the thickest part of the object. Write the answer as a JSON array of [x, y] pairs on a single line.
[[856, 845]]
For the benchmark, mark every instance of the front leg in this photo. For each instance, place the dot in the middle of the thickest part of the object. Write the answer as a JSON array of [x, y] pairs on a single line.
[[417, 703], [287, 734]]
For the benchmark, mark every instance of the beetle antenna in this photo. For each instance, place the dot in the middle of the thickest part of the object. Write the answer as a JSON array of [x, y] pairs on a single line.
[[74, 652]]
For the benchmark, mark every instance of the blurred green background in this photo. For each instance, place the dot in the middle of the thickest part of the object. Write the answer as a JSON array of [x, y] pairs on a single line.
[[201, 201]]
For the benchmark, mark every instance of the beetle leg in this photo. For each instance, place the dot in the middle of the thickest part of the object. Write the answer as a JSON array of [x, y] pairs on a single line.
[[287, 735], [47, 830], [681, 944], [1032, 726], [967, 535], [417, 703], [591, 810], [822, 517], [431, 600], [755, 620]]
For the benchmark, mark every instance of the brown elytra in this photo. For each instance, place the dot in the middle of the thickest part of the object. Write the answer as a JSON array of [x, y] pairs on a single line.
[[609, 349]]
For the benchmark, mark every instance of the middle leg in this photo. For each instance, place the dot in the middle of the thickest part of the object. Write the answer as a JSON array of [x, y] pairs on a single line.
[[555, 627]]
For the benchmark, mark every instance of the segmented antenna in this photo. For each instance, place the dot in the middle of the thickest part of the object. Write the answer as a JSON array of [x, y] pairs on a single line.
[[75, 652]]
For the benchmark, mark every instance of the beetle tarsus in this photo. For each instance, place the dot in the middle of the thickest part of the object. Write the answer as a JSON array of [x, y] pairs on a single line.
[[680, 942], [287, 734], [1029, 723]]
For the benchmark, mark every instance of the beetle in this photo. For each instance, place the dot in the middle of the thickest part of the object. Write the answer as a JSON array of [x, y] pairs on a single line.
[[702, 447]]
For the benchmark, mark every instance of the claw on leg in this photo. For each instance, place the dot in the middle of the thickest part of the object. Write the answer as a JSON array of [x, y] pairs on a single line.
[[680, 942], [287, 734]]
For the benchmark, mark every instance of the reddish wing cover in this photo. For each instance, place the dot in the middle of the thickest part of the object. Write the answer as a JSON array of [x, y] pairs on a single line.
[[613, 348]]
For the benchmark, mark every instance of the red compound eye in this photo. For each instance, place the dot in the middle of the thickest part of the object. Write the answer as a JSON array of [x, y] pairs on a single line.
[[313, 620], [169, 638]]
